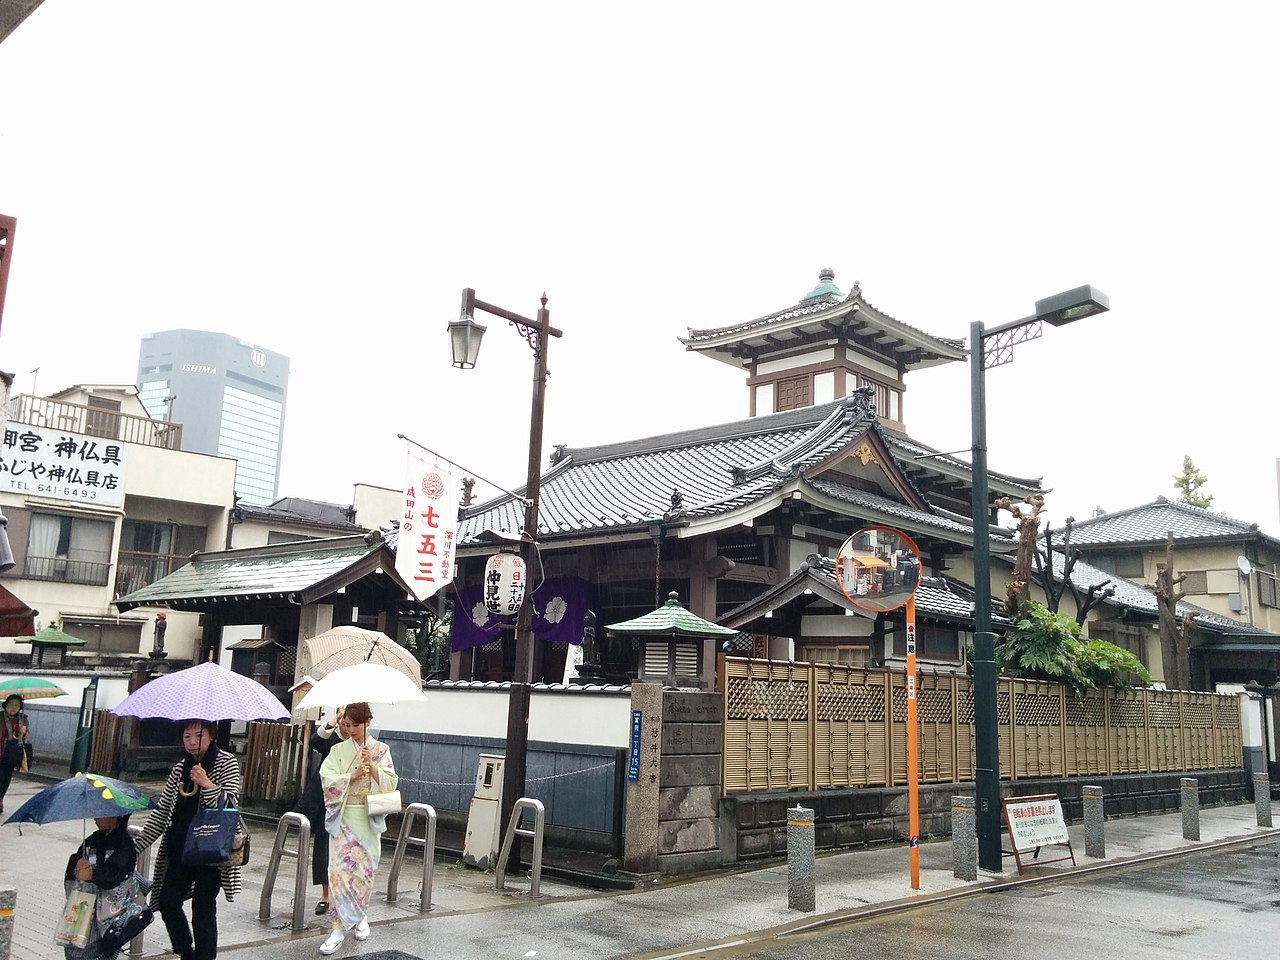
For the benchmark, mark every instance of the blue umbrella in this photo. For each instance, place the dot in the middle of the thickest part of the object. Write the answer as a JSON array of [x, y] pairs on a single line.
[[85, 796]]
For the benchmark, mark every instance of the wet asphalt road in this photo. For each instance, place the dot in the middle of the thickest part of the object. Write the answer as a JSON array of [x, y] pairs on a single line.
[[1224, 904]]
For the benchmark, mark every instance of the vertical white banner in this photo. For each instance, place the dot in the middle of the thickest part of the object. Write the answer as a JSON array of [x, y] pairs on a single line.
[[428, 526]]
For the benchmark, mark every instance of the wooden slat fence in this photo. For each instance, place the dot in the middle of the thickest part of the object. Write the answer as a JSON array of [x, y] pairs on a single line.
[[805, 726], [104, 755], [273, 754]]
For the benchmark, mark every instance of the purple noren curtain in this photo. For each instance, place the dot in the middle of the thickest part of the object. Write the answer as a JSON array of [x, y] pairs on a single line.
[[558, 608]]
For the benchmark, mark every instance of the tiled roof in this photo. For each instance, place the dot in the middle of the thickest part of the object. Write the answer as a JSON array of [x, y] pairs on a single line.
[[269, 572], [298, 510], [894, 510], [1134, 597], [710, 472], [826, 298], [1152, 522], [946, 464], [937, 598]]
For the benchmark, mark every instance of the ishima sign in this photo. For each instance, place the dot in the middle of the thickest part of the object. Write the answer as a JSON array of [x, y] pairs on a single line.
[[428, 527]]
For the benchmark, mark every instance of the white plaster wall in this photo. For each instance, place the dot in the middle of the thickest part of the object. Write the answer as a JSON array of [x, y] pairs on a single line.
[[764, 399], [111, 689], [596, 718], [824, 387]]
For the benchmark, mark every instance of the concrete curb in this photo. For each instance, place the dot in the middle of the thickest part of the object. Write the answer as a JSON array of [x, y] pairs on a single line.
[[872, 911]]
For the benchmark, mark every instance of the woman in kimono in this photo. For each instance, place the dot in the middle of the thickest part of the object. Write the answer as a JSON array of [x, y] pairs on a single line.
[[204, 774], [356, 767], [311, 806]]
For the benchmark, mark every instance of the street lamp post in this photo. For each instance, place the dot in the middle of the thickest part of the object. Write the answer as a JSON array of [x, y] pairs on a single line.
[[464, 338], [991, 348], [1264, 695]]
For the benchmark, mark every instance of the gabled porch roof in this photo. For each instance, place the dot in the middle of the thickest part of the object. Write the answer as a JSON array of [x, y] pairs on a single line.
[[302, 571], [939, 599]]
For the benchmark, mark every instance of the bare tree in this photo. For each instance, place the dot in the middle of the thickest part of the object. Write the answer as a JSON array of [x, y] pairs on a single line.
[[1027, 513], [1086, 599], [1174, 639]]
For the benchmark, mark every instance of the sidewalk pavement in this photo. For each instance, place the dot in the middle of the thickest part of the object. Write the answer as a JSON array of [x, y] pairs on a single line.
[[471, 919]]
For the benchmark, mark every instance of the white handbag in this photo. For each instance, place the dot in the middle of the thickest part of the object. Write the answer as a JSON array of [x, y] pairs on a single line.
[[381, 804]]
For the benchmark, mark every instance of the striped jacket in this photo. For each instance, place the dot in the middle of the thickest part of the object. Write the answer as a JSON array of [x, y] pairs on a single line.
[[226, 777]]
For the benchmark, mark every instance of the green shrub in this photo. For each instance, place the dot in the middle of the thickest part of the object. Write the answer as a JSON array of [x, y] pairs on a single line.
[[1047, 646]]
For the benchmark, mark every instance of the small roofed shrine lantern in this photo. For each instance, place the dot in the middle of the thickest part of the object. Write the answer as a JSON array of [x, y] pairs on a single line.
[[671, 641], [505, 580]]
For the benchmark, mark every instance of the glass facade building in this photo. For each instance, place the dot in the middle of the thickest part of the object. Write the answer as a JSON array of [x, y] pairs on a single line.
[[229, 395]]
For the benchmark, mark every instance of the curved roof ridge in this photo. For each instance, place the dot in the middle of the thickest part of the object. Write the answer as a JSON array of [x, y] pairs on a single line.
[[785, 460], [817, 304]]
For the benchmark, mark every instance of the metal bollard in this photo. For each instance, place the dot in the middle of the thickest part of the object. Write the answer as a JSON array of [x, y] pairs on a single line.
[[964, 838], [513, 830], [8, 901], [302, 855], [143, 866], [801, 885], [1262, 798], [428, 844], [1190, 808], [1095, 840]]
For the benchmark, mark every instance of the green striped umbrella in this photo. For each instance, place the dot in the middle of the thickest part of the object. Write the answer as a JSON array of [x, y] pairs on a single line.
[[30, 688]]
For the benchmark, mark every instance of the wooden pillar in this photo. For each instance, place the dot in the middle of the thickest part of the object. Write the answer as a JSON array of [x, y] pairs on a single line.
[[702, 601], [313, 619]]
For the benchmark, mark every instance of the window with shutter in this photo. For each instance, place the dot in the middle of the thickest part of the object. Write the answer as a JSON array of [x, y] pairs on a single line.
[[1196, 582], [1268, 593]]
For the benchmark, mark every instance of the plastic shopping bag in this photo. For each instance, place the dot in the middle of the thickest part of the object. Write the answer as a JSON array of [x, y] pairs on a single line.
[[76, 925]]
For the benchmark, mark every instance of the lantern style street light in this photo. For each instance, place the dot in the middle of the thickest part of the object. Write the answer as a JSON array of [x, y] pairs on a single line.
[[991, 348], [464, 342], [1265, 696]]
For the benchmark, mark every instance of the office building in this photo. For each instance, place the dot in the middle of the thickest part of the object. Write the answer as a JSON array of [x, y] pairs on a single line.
[[229, 395]]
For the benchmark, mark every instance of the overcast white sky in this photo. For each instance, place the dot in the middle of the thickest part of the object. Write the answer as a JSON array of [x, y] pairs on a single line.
[[324, 178]]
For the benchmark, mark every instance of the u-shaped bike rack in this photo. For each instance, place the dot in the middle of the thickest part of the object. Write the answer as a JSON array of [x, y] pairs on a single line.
[[143, 867], [302, 854], [412, 812], [513, 830]]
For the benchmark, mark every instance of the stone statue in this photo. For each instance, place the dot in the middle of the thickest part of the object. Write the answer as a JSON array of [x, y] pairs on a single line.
[[157, 644]]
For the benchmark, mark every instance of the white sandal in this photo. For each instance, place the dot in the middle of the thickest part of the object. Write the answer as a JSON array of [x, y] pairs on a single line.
[[331, 945]]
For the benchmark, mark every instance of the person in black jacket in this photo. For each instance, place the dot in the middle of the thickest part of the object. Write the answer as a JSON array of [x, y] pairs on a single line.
[[106, 859], [311, 805], [14, 745]]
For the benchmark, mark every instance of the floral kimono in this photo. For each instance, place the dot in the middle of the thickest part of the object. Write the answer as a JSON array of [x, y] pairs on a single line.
[[355, 838]]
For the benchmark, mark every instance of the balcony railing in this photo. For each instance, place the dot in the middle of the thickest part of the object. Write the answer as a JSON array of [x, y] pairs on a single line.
[[138, 570], [66, 571], [94, 421]]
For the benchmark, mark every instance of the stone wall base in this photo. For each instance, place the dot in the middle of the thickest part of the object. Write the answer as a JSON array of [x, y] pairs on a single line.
[[753, 826]]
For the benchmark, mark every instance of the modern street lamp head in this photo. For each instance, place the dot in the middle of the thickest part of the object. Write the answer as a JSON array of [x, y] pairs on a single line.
[[1072, 305], [464, 341]]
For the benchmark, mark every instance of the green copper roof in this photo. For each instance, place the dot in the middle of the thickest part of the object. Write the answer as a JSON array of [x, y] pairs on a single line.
[[826, 285], [51, 636], [671, 619], [270, 572]]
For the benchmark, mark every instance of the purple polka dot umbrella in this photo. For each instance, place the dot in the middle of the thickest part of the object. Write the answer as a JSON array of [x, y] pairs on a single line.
[[203, 692]]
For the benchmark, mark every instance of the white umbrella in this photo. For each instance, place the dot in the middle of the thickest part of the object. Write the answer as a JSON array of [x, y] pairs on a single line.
[[362, 683], [348, 645]]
